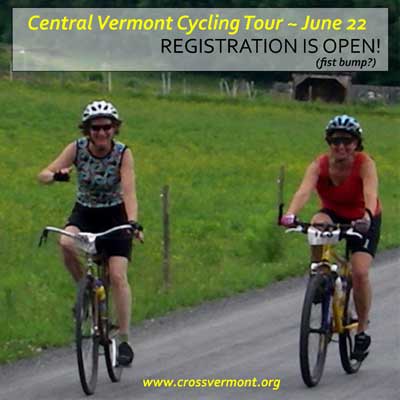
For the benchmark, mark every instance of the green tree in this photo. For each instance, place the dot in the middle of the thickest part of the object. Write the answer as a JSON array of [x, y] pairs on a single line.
[[392, 77]]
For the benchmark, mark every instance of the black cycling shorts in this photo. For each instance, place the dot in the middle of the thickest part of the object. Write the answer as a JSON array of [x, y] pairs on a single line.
[[96, 220], [369, 243]]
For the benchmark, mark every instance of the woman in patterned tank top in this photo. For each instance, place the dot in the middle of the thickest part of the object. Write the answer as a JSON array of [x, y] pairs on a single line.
[[106, 197], [346, 182]]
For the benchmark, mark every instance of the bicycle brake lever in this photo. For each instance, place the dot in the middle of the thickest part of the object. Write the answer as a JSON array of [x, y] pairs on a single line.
[[296, 229], [352, 232], [43, 237], [136, 235]]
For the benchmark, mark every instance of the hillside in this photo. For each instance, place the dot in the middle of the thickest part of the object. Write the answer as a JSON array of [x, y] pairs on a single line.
[[221, 159]]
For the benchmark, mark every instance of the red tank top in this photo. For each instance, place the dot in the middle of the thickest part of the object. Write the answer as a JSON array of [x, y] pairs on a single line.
[[347, 199]]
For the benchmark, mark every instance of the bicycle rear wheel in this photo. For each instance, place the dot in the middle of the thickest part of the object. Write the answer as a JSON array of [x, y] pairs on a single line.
[[87, 340], [110, 345], [346, 339], [315, 329]]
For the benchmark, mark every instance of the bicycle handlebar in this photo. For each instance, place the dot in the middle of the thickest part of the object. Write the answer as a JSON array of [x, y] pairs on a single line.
[[326, 226], [326, 230], [84, 240]]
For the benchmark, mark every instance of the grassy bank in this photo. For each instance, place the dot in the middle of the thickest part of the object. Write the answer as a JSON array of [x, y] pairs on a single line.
[[220, 158]]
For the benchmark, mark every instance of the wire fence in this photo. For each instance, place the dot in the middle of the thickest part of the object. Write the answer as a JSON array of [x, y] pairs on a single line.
[[163, 83]]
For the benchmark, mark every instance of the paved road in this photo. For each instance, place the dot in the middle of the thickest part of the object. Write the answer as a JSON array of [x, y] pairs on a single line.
[[254, 335]]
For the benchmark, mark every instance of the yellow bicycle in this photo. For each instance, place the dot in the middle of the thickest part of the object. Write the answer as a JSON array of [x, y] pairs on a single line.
[[328, 306]]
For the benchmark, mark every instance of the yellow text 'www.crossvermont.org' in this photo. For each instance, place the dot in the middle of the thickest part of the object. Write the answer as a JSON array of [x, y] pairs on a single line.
[[273, 384]]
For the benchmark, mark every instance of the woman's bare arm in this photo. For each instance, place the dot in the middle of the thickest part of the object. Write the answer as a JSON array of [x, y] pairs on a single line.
[[62, 163]]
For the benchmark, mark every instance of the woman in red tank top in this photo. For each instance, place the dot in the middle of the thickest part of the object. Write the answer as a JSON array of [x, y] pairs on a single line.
[[346, 181]]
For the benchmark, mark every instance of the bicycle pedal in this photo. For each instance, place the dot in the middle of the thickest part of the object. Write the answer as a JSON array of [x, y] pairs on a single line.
[[360, 357], [124, 366]]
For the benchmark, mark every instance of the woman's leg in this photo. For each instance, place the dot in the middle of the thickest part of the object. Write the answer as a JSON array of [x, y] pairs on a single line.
[[70, 255], [118, 269], [361, 263], [319, 218]]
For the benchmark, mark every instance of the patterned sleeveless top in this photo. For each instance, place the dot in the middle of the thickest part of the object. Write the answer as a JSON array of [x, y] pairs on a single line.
[[99, 178]]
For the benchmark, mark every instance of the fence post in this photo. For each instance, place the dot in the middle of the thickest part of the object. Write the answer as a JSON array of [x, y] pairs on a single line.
[[251, 92], [234, 88], [248, 88], [166, 237], [24, 76], [11, 72], [226, 85], [164, 85], [109, 82], [221, 86], [169, 82], [186, 90]]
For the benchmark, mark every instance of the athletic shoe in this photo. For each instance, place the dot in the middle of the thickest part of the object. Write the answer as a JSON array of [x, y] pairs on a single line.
[[125, 354], [362, 342]]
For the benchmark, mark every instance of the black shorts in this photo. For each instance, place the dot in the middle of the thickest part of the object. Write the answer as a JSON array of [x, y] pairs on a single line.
[[97, 220], [369, 243]]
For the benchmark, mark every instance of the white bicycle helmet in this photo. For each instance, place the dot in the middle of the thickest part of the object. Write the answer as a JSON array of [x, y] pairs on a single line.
[[98, 109], [344, 123]]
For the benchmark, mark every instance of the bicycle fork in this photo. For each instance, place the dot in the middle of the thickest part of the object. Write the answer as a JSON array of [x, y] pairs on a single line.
[[326, 319], [338, 311]]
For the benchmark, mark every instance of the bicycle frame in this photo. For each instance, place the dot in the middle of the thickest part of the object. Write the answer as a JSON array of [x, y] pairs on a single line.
[[97, 272], [330, 264], [335, 266]]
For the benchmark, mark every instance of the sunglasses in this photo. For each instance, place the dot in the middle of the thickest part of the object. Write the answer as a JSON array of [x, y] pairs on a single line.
[[97, 128], [340, 140]]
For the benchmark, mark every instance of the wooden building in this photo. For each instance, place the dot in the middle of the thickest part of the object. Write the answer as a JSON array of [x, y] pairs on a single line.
[[326, 87]]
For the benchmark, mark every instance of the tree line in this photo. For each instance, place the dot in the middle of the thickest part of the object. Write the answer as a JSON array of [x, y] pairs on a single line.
[[392, 77]]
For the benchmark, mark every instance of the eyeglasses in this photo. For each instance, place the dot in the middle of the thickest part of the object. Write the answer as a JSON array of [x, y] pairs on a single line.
[[339, 140], [97, 128]]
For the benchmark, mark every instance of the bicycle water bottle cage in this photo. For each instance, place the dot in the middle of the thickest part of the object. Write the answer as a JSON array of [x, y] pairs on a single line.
[[317, 237]]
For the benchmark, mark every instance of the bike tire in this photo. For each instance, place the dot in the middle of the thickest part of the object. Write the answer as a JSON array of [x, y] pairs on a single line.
[[346, 339], [110, 344], [87, 341], [315, 328]]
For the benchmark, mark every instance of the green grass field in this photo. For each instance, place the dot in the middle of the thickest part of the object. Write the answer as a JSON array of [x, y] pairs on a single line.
[[221, 159]]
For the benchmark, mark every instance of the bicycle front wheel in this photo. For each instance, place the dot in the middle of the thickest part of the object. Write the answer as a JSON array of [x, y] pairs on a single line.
[[87, 340], [347, 338], [315, 329]]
